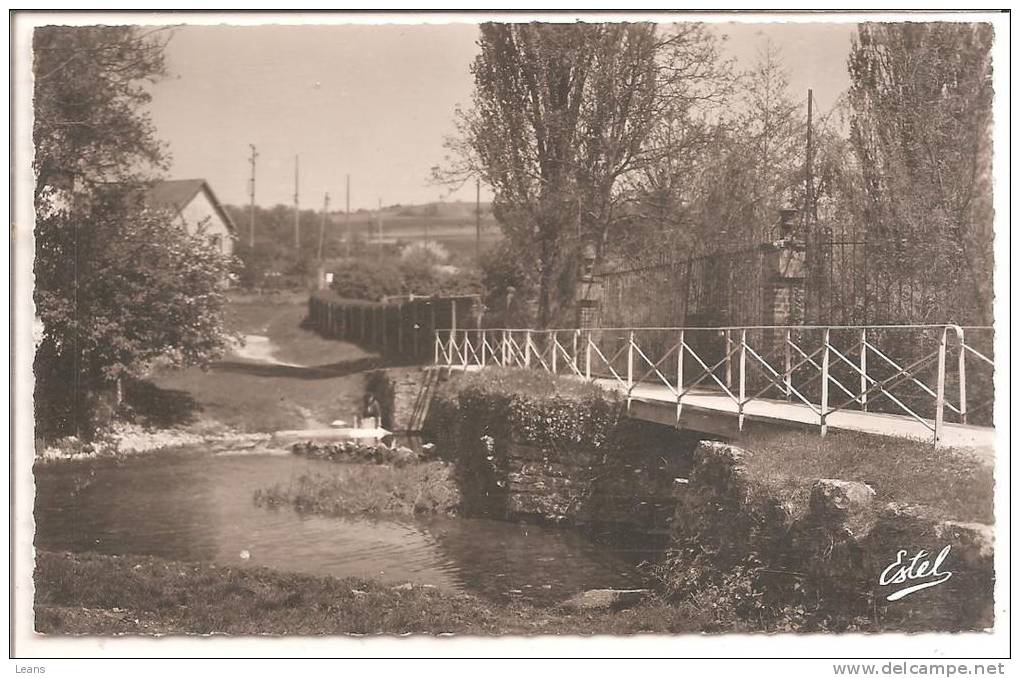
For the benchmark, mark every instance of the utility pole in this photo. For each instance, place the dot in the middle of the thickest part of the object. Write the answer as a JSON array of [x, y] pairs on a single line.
[[809, 214], [347, 218], [251, 208], [297, 208], [378, 221], [478, 217], [322, 227]]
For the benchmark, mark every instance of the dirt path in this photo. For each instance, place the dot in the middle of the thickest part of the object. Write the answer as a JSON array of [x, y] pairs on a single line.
[[260, 349], [282, 377]]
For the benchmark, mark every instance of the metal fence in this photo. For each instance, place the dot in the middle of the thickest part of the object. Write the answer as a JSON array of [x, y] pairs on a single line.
[[719, 289], [849, 280], [946, 376]]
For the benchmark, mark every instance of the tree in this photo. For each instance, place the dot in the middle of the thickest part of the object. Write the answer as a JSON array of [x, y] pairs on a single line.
[[562, 114], [116, 285], [921, 98]]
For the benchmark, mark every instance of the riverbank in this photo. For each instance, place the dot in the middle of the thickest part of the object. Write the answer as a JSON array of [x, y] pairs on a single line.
[[103, 595]]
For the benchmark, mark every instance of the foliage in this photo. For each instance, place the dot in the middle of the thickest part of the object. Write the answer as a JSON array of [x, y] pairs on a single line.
[[117, 286], [534, 407], [921, 101], [507, 286], [428, 251], [562, 112], [372, 278]]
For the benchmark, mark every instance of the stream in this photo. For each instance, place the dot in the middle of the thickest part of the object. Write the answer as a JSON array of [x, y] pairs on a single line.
[[198, 506]]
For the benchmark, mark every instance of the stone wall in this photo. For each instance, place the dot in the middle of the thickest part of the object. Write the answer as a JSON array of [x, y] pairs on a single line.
[[820, 565], [618, 480], [399, 392]]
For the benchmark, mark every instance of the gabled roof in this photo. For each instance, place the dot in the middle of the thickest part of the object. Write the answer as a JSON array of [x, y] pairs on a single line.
[[176, 194]]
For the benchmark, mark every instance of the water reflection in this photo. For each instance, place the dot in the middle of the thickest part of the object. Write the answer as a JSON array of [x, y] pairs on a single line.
[[198, 506]]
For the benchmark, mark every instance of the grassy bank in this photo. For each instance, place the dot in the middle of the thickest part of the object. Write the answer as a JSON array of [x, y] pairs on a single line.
[[951, 482], [354, 489], [102, 595]]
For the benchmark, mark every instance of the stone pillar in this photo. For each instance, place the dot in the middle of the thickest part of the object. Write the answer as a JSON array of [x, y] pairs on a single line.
[[785, 273], [589, 292]]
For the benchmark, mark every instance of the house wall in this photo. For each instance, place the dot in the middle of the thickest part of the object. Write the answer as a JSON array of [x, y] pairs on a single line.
[[201, 210]]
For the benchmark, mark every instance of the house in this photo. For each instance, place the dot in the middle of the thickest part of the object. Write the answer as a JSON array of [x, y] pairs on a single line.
[[194, 205]]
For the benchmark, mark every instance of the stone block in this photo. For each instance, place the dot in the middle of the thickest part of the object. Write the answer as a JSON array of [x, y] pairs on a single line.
[[605, 599], [841, 503]]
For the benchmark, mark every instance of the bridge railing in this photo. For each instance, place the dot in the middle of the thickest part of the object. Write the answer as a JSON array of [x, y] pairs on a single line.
[[932, 374]]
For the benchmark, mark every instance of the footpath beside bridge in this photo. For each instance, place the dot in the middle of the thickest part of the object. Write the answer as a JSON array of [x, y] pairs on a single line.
[[929, 382]]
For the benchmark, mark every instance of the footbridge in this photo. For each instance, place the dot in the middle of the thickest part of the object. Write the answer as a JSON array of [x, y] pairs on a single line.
[[931, 382]]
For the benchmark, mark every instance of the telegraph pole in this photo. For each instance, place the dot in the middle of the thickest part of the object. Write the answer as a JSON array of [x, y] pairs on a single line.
[[297, 210], [378, 219], [809, 213], [322, 227], [251, 208], [347, 218], [478, 217]]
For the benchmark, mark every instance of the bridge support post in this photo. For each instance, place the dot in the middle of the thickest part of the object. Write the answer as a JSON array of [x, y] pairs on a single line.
[[962, 375]]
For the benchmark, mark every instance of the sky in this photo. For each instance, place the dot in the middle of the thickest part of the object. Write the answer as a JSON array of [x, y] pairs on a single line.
[[374, 102]]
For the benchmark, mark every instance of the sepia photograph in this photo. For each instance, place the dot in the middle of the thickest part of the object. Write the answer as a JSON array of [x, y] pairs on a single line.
[[676, 326]]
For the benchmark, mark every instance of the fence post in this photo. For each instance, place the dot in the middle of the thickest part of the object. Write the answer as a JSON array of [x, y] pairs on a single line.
[[573, 349], [527, 348], [630, 362], [825, 385], [587, 357], [729, 362], [940, 388], [482, 333], [743, 379], [864, 369], [504, 348], [680, 378], [555, 345], [630, 369], [962, 369], [435, 360], [788, 363]]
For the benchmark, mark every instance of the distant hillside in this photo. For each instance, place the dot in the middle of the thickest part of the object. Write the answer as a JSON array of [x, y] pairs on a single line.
[[450, 223]]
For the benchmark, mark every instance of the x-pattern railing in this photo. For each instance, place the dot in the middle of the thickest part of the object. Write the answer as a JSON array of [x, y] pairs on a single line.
[[908, 370]]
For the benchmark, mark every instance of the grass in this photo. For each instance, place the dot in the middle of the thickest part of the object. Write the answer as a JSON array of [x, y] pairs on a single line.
[[253, 396], [951, 482], [427, 487], [104, 595]]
